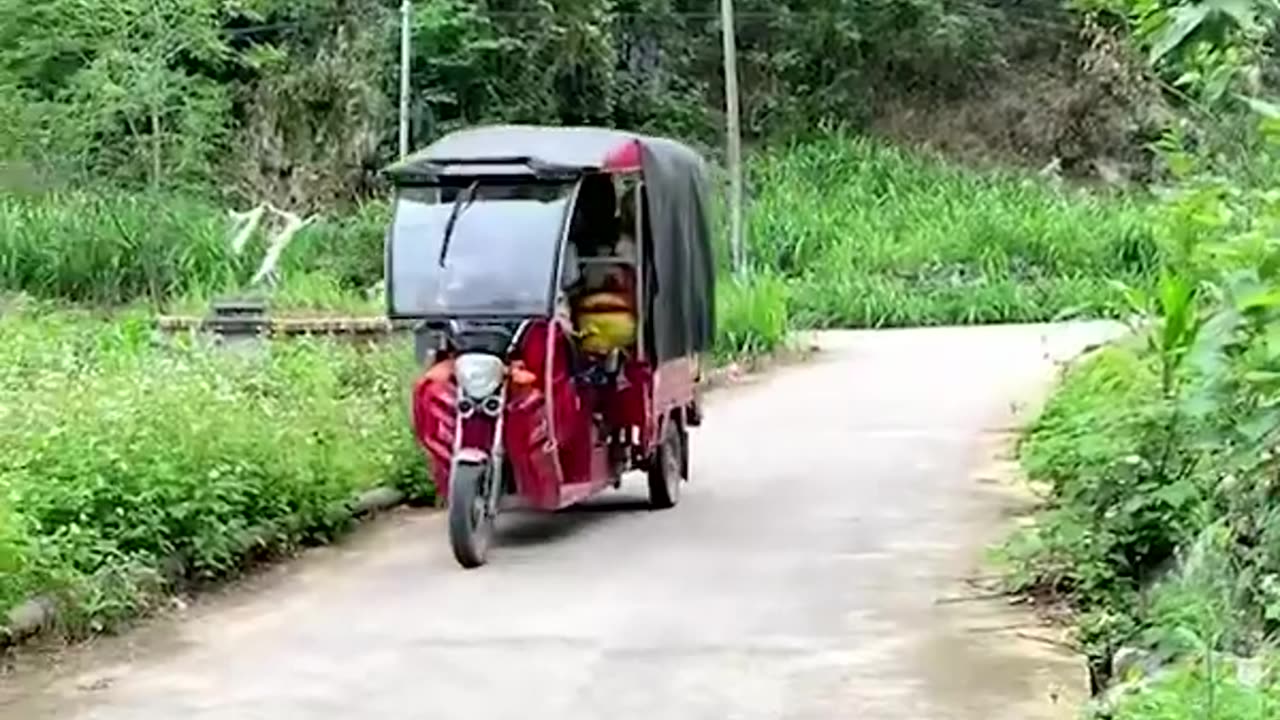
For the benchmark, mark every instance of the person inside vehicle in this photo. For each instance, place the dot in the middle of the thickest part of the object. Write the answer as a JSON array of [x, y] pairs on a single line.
[[606, 308], [602, 318]]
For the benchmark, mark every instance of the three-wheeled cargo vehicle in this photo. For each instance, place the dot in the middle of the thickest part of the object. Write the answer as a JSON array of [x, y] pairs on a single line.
[[561, 281]]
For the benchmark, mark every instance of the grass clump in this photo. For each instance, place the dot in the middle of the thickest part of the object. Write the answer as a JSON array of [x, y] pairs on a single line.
[[873, 236], [751, 316], [113, 248], [124, 460]]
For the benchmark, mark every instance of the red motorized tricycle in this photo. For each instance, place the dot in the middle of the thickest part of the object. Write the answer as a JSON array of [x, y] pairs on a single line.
[[562, 281]]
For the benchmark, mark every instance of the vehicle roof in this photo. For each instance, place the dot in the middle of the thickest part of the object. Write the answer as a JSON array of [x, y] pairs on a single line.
[[532, 149]]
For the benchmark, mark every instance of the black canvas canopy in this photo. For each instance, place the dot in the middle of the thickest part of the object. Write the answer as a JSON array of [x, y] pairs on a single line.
[[680, 272]]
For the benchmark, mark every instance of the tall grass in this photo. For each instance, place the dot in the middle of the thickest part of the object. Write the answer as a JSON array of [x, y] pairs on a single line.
[[861, 235], [869, 236], [751, 316], [112, 248]]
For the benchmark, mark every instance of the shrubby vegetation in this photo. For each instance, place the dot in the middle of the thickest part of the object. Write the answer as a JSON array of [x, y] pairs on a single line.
[[1160, 459], [1158, 456], [129, 465]]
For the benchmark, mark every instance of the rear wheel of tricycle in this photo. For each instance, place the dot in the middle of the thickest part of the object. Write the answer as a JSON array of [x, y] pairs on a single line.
[[669, 466], [470, 523]]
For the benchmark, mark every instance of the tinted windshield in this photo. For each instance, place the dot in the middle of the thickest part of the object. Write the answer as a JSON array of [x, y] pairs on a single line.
[[500, 256]]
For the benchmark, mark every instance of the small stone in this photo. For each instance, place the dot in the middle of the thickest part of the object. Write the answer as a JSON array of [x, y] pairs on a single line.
[[29, 617], [1250, 672], [93, 684], [1128, 663]]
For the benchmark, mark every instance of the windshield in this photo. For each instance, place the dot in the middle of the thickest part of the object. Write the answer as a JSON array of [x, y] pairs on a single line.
[[499, 258]]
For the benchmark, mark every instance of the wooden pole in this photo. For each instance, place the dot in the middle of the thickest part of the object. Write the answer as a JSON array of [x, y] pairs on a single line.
[[733, 133], [406, 14]]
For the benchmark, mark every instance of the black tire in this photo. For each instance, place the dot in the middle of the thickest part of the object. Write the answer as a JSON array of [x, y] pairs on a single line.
[[667, 471], [470, 526]]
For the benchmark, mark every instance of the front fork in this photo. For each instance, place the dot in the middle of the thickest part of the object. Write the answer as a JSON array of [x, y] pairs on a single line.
[[492, 458]]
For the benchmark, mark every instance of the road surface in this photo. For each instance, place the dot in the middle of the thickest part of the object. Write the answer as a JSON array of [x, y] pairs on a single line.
[[810, 572]]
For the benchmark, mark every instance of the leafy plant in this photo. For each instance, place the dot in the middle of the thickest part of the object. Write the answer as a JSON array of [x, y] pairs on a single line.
[[1207, 49], [751, 316]]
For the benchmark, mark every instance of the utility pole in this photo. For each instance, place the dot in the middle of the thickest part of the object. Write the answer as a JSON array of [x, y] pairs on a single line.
[[406, 15], [733, 132]]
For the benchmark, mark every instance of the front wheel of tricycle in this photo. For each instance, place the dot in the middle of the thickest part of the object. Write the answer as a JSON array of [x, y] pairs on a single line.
[[470, 524], [667, 470]]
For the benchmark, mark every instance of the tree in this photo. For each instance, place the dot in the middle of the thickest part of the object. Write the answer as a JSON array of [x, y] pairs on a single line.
[[112, 88]]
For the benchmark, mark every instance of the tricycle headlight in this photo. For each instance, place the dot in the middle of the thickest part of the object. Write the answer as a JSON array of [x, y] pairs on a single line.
[[479, 375]]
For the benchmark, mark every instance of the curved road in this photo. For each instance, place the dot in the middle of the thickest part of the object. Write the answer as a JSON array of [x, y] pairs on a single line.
[[809, 573]]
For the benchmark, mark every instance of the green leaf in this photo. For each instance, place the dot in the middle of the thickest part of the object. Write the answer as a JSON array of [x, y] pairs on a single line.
[[1181, 23], [1241, 11], [1261, 299], [1265, 108]]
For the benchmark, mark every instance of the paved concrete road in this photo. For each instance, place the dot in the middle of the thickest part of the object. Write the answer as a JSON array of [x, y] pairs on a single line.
[[833, 504]]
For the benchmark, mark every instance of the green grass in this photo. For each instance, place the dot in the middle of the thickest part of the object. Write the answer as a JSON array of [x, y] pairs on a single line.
[[870, 236], [121, 455]]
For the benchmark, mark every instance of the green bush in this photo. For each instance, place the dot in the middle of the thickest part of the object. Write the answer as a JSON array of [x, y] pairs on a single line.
[[1121, 497], [122, 457], [1161, 523], [1125, 495]]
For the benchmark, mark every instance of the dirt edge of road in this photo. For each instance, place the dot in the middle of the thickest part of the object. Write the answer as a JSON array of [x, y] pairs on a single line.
[[1056, 670], [1038, 635]]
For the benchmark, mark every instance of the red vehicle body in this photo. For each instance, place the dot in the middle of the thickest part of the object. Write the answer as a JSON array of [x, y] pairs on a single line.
[[511, 411]]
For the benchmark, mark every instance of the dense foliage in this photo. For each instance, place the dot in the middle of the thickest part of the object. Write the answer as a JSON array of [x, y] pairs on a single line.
[[1204, 50], [295, 102]]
